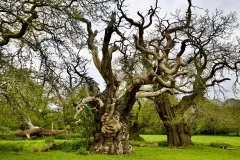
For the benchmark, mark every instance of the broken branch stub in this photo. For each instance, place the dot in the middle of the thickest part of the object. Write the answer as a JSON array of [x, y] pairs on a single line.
[[84, 103]]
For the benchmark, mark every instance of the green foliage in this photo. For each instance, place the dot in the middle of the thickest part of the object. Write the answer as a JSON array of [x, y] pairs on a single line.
[[9, 137], [218, 118], [82, 151], [173, 100], [22, 96], [69, 136], [16, 147], [49, 140], [86, 124], [162, 144], [152, 130], [145, 115], [61, 136], [76, 14], [233, 107], [73, 146], [4, 130]]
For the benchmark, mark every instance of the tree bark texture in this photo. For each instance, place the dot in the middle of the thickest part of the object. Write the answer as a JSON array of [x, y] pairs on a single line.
[[134, 132], [178, 132], [112, 132], [112, 138]]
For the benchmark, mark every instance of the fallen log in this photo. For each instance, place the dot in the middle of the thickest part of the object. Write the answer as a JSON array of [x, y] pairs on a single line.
[[39, 132], [36, 131]]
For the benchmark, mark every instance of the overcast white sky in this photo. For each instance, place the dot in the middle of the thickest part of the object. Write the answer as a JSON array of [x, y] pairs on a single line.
[[168, 6]]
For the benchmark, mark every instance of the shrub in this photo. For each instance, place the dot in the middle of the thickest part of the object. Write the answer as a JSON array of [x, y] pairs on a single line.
[[75, 136], [11, 147], [4, 130], [35, 137], [61, 136], [6, 136], [49, 140], [68, 136], [10, 137], [162, 144], [82, 151], [72, 146]]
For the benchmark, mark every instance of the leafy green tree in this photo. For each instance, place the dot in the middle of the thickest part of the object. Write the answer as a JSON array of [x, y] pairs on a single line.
[[22, 96], [144, 119], [233, 106], [217, 118]]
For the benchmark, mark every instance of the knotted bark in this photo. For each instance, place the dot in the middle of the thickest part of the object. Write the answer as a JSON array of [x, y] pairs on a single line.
[[112, 135], [111, 116]]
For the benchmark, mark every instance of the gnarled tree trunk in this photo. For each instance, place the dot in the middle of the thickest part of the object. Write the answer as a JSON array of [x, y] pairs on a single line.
[[178, 132], [112, 138], [112, 117]]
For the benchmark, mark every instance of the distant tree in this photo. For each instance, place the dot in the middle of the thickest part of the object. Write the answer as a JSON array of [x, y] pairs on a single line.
[[21, 96], [233, 106], [210, 119], [217, 118], [144, 119]]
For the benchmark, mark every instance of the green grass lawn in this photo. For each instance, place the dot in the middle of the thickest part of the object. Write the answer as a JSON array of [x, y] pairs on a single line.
[[200, 139], [200, 151]]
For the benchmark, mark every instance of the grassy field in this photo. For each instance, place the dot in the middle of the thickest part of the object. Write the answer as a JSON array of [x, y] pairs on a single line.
[[205, 147], [200, 139]]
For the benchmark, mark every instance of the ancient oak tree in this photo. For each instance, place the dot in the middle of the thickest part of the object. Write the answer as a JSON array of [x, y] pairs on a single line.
[[113, 105]]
